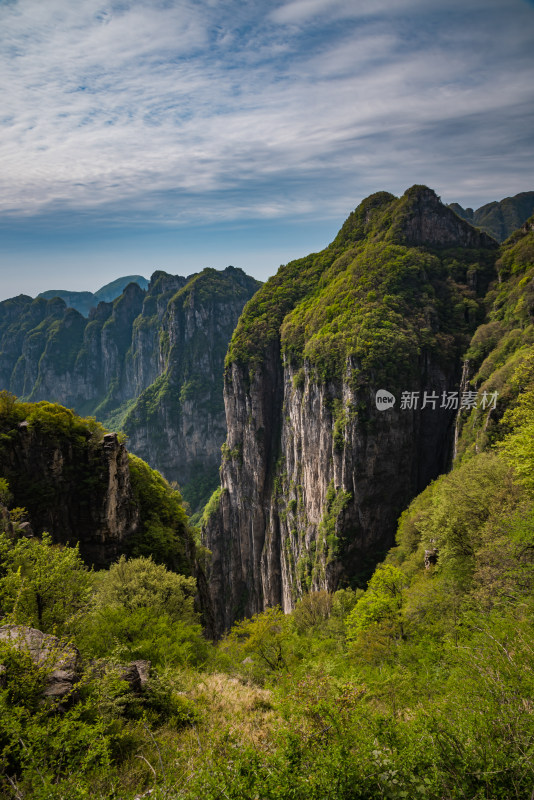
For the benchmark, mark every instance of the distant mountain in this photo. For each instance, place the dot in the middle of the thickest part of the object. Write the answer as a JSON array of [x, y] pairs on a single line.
[[112, 290], [499, 219], [149, 363], [85, 301]]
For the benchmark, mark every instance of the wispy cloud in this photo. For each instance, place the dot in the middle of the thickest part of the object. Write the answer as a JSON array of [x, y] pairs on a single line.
[[188, 111]]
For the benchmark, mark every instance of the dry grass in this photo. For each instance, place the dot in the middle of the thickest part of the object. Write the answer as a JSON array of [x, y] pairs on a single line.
[[242, 710], [229, 710]]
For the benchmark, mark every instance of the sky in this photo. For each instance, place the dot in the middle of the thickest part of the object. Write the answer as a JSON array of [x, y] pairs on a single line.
[[180, 134]]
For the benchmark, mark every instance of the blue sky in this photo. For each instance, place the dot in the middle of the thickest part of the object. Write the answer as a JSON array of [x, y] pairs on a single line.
[[179, 134]]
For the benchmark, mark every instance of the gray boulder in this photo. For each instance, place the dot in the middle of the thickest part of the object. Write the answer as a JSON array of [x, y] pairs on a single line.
[[60, 661], [136, 674]]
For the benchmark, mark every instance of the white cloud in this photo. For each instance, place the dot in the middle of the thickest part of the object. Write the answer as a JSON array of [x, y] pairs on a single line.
[[302, 11], [231, 111]]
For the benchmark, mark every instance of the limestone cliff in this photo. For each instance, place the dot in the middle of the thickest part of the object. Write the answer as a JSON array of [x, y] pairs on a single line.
[[73, 481], [150, 362], [64, 474], [178, 422], [314, 475]]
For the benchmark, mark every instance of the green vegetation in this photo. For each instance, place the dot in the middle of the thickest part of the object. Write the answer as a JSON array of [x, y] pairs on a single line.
[[141, 610], [89, 742], [42, 586], [164, 531], [328, 542], [418, 687], [370, 298], [53, 419], [502, 346], [212, 505]]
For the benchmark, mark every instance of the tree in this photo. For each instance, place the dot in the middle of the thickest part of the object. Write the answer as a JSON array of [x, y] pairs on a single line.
[[141, 583], [383, 600], [265, 635], [312, 610], [43, 585], [142, 610]]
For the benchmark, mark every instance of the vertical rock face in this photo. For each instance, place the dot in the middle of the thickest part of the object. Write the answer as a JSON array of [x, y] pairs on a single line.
[[427, 223], [178, 422], [150, 362], [74, 486], [314, 475]]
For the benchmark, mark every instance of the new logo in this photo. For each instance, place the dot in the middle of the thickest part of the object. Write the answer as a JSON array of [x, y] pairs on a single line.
[[384, 400]]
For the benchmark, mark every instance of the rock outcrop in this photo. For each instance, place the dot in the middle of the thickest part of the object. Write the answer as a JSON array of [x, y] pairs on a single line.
[[60, 662], [136, 675], [425, 223], [64, 475], [74, 485], [314, 474]]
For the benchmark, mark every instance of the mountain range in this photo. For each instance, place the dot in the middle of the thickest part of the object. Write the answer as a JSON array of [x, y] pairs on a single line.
[[353, 617], [314, 476], [390, 304], [149, 363]]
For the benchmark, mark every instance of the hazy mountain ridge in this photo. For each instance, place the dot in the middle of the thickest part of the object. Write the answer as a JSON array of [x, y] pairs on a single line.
[[85, 301]]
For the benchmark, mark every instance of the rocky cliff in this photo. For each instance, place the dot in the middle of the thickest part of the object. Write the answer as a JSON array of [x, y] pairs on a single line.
[[314, 474], [150, 362], [66, 475], [178, 422], [71, 477]]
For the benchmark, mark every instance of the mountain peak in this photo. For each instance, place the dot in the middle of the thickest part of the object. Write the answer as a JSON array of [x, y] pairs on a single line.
[[85, 301], [418, 218], [422, 219]]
